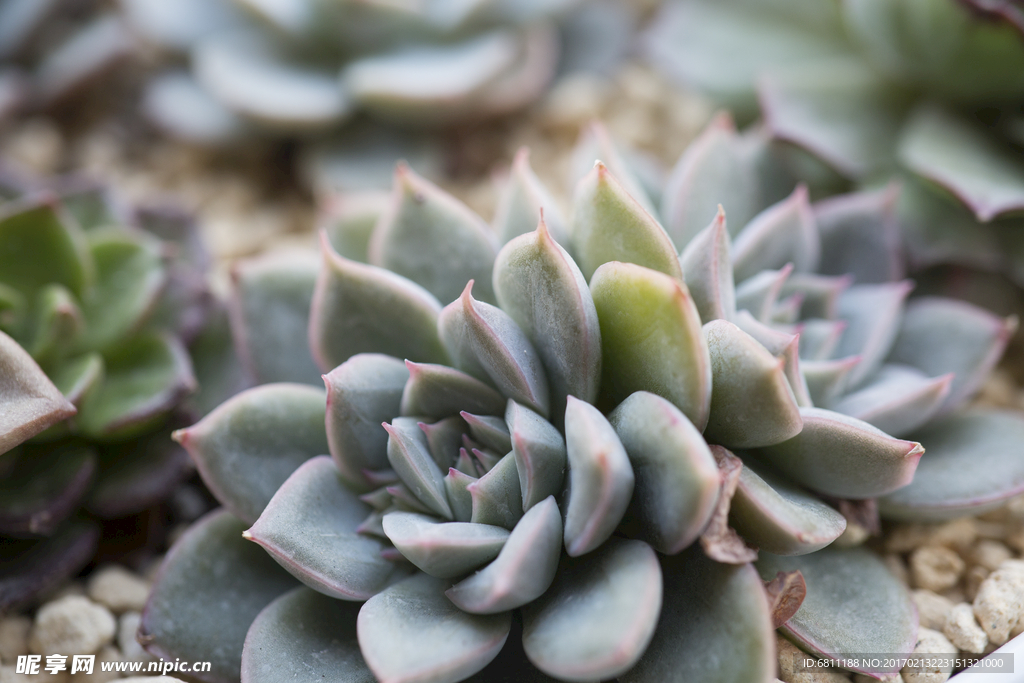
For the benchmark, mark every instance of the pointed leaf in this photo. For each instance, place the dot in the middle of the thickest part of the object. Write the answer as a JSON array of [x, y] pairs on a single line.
[[897, 400], [33, 227], [309, 527], [539, 452], [539, 285], [497, 498], [410, 457], [676, 479], [349, 219], [598, 618], [651, 339], [363, 309], [456, 485], [819, 338], [818, 294], [752, 403], [433, 239], [33, 569], [54, 322], [444, 439], [973, 463], [304, 635], [42, 487], [783, 233], [826, 379], [707, 267], [872, 314], [438, 391], [877, 612], [250, 445], [444, 549], [522, 571], [211, 586], [844, 457], [609, 225], [412, 632], [596, 144], [760, 294], [860, 236], [522, 202], [29, 401], [490, 431]]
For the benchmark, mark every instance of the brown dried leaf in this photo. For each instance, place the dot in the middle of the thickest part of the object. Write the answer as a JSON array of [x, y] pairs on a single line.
[[720, 541], [786, 592]]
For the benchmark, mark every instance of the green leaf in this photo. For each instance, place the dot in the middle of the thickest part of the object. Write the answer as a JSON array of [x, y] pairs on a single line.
[[497, 498], [707, 268], [873, 314], [42, 247], [598, 618], [676, 479], [490, 431], [349, 219], [826, 379], [609, 225], [211, 586], [860, 235], [304, 636], [853, 605], [412, 632], [897, 399], [783, 233], [409, 455], [55, 320], [595, 143], [539, 452], [651, 339], [433, 239], [456, 485], [249, 446], [309, 528], [363, 309], [215, 360], [444, 438], [444, 549], [524, 201], [42, 487], [523, 570], [438, 391], [759, 294]]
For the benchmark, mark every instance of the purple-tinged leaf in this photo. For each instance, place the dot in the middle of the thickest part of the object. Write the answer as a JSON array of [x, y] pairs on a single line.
[[29, 401], [138, 474], [783, 233], [826, 379], [844, 457], [486, 342], [251, 444], [403, 499], [409, 455], [524, 201], [373, 525], [309, 528], [759, 294], [600, 478], [676, 479], [379, 499], [779, 344], [897, 399], [539, 452], [412, 632], [42, 488], [490, 431], [973, 463], [720, 541], [31, 569], [444, 438], [488, 459], [860, 236], [522, 571], [444, 549], [539, 285], [752, 403], [610, 225], [363, 309], [596, 144], [210, 587], [304, 635], [456, 485], [437, 391], [778, 517], [787, 311], [599, 616], [872, 314], [362, 392], [818, 294], [819, 339], [707, 269], [433, 239], [651, 339], [786, 592], [853, 605], [497, 498], [940, 336]]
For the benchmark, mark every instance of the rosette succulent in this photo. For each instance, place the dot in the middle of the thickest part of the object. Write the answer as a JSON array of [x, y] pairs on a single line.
[[97, 303], [578, 448]]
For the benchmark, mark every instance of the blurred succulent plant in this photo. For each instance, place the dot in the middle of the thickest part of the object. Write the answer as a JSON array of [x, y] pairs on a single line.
[[927, 93], [97, 304], [552, 450]]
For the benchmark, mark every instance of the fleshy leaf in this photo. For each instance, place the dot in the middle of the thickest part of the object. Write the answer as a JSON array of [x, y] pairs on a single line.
[[349, 219], [522, 202], [973, 464], [304, 635], [522, 571], [714, 625], [898, 399], [362, 392], [31, 569], [595, 143], [211, 586], [707, 268], [490, 431], [363, 309], [951, 152], [860, 236], [759, 294], [434, 240], [598, 618], [609, 225], [539, 452], [309, 528], [844, 457], [872, 314], [409, 455], [877, 612], [819, 294], [249, 446], [497, 498], [539, 285], [444, 549], [31, 228], [819, 339], [676, 479], [42, 488], [55, 321], [29, 401], [487, 343], [786, 592], [783, 233], [270, 311], [444, 438], [412, 632], [826, 379], [438, 391], [752, 403], [771, 513], [601, 478], [456, 485], [651, 339], [129, 484], [939, 336]]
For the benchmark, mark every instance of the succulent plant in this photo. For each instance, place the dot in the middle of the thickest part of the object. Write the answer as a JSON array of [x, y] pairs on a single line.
[[554, 459], [97, 304], [925, 93]]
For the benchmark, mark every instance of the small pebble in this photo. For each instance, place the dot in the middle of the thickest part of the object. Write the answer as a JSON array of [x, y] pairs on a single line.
[[972, 581], [789, 654], [902, 538], [929, 642], [127, 627], [935, 567], [958, 534], [108, 653], [990, 554], [932, 609], [963, 631], [118, 589], [1000, 601], [864, 678], [14, 632], [72, 626]]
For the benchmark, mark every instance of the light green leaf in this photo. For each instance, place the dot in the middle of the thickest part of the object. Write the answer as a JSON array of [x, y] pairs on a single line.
[[707, 268], [539, 452], [497, 498], [410, 457], [783, 233], [524, 202], [444, 549], [439, 391]]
